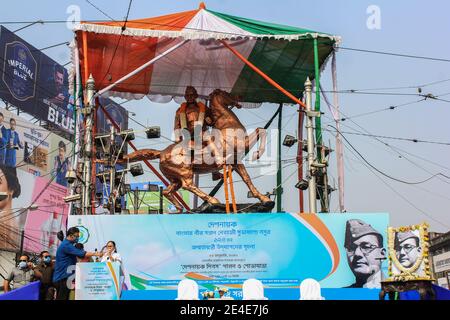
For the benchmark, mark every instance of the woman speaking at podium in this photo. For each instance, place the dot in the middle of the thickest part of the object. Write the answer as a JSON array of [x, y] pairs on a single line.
[[110, 253]]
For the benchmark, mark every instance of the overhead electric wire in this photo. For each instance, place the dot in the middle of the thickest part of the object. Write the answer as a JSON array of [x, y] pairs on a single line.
[[386, 144], [385, 174], [395, 138], [402, 87], [100, 10], [222, 32], [395, 54], [401, 196]]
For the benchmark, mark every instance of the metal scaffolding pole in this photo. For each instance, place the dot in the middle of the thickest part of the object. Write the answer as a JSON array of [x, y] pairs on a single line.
[[310, 144], [87, 111]]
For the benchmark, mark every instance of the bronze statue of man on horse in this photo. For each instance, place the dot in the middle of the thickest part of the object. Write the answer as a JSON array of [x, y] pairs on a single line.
[[198, 150]]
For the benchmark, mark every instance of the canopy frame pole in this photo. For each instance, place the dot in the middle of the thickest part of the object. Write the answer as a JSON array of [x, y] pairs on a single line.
[[279, 190], [300, 158], [77, 110], [85, 57], [322, 178], [139, 69], [339, 149], [149, 165], [262, 74]]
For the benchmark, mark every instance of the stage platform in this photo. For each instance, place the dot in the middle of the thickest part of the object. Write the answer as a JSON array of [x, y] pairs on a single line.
[[271, 294]]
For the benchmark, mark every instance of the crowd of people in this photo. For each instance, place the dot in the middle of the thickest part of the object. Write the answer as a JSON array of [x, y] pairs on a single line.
[[56, 276]]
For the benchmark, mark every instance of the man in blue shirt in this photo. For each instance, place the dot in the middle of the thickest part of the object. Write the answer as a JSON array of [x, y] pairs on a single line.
[[13, 143], [66, 257], [2, 140]]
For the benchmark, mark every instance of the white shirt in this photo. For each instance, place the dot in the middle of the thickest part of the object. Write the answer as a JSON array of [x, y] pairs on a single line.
[[115, 256]]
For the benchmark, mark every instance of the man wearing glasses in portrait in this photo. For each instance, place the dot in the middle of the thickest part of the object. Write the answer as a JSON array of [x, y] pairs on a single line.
[[407, 248], [365, 254]]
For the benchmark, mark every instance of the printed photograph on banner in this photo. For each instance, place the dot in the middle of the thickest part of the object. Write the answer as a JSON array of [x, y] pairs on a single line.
[[408, 252], [49, 217], [16, 190], [365, 253], [60, 158]]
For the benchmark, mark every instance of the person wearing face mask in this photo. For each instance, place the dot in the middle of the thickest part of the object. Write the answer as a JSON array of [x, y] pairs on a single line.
[[66, 259], [20, 275], [44, 272]]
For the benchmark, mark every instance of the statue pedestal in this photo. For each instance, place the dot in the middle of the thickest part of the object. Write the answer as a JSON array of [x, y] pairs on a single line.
[[241, 208], [391, 287]]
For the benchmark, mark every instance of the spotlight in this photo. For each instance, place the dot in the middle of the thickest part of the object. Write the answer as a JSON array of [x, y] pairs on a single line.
[[136, 170], [127, 135], [302, 184], [289, 141], [153, 132], [153, 187], [71, 176], [75, 197], [101, 140]]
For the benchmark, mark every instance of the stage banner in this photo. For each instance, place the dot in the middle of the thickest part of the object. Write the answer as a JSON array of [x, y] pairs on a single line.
[[98, 281], [34, 83], [280, 249]]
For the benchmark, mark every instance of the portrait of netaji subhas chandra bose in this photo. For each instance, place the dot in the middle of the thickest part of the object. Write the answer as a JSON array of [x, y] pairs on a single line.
[[407, 248], [365, 253]]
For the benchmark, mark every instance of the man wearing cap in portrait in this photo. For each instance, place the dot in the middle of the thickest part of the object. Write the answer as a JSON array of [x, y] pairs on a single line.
[[365, 253], [407, 248]]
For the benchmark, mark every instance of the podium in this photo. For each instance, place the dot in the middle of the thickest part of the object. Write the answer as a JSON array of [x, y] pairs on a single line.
[[98, 281]]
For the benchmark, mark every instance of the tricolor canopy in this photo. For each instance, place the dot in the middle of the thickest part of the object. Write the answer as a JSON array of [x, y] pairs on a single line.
[[111, 50]]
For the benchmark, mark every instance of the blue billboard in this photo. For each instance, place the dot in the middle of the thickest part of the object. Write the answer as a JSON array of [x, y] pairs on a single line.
[[34, 83]]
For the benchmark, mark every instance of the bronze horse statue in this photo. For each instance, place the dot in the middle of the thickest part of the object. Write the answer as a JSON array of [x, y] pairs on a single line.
[[229, 146]]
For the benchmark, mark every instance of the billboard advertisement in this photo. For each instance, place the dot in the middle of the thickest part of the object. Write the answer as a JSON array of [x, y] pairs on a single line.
[[30, 148], [34, 83], [281, 249], [116, 111], [40, 223]]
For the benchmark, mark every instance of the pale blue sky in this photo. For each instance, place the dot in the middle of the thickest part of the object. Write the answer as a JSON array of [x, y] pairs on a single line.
[[411, 27]]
